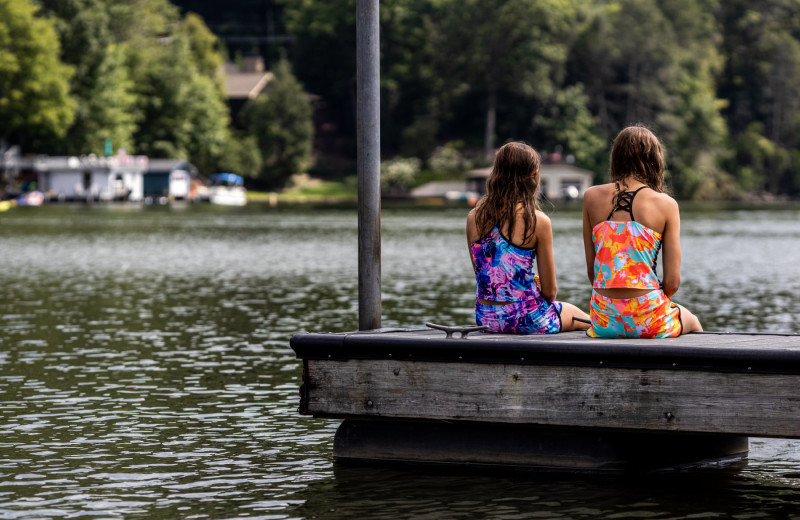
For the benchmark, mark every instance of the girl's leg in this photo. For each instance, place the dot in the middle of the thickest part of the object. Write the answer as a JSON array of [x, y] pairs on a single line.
[[689, 322], [568, 312]]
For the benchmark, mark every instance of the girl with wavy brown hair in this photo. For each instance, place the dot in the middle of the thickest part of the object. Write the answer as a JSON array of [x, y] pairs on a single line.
[[625, 225], [507, 232]]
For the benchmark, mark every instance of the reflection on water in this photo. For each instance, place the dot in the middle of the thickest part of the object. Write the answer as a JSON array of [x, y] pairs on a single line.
[[389, 494], [145, 370]]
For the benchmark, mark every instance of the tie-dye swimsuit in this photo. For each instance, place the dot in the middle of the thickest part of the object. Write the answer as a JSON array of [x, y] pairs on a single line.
[[504, 273], [625, 257]]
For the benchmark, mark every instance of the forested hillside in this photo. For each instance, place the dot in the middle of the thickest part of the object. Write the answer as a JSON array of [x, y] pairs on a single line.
[[717, 81]]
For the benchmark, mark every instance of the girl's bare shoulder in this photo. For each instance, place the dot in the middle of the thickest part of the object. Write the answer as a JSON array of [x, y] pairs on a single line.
[[542, 217], [597, 202], [599, 192], [663, 200]]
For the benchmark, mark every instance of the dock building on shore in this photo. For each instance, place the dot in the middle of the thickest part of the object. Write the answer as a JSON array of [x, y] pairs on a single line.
[[122, 177]]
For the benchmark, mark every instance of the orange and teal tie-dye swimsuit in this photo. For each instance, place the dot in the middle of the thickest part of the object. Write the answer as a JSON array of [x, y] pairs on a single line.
[[625, 257]]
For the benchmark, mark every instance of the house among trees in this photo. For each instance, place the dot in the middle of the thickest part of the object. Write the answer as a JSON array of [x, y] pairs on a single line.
[[244, 82], [559, 179]]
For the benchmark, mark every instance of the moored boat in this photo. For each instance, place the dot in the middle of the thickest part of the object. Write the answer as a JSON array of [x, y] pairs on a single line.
[[227, 189]]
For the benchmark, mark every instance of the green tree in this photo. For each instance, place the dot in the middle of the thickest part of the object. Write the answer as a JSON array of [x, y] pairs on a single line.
[[184, 114], [34, 83], [761, 81], [498, 47], [323, 57], [203, 45], [100, 86], [566, 121], [107, 108], [699, 142], [140, 21], [242, 156], [643, 61], [181, 109], [280, 119]]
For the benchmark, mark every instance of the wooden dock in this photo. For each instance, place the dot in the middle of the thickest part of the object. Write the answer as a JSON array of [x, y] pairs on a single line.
[[560, 401]]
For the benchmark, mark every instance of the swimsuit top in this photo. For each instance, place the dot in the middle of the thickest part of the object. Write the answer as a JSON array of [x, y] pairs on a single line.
[[503, 271], [626, 253]]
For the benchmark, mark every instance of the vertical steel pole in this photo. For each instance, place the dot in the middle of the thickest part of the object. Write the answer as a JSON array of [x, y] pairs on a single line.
[[369, 164]]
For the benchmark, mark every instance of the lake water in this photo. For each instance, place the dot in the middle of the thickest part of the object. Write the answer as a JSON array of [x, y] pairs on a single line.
[[145, 368]]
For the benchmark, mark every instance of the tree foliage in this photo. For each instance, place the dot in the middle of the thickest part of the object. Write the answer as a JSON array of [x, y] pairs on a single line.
[[497, 47], [181, 109], [280, 120], [134, 72], [34, 83], [761, 81], [572, 73], [719, 82], [100, 87]]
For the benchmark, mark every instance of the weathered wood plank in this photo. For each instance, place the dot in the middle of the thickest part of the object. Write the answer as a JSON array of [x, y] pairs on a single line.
[[574, 396], [706, 352]]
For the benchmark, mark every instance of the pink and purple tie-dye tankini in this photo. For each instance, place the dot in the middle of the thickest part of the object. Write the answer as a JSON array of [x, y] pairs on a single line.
[[625, 257], [504, 273]]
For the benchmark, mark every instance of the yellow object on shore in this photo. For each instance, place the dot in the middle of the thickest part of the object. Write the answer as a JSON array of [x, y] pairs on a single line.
[[6, 205]]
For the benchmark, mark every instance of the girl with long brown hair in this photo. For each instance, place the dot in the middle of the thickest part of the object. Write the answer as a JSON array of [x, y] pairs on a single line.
[[507, 232], [625, 225]]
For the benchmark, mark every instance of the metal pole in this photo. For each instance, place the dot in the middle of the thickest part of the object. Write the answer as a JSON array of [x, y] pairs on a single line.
[[369, 164]]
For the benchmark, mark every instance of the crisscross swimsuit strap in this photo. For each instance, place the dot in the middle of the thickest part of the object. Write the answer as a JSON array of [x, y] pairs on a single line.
[[625, 203]]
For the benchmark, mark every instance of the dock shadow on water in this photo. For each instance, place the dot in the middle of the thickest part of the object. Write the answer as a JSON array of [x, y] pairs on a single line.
[[372, 492], [145, 368]]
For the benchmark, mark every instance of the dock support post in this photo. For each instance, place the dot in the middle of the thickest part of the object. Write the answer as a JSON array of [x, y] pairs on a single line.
[[369, 164]]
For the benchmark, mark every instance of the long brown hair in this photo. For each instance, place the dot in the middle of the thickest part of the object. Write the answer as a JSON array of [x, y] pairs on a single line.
[[637, 153], [514, 181]]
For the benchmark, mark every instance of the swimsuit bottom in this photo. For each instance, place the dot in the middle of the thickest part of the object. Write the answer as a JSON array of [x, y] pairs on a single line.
[[531, 316], [651, 315]]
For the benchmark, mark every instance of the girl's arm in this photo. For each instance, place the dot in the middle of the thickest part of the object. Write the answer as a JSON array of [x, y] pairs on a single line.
[[472, 233], [671, 242], [472, 228], [588, 243], [544, 257]]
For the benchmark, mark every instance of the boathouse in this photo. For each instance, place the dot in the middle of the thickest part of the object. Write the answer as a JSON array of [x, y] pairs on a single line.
[[91, 178], [122, 177], [170, 178]]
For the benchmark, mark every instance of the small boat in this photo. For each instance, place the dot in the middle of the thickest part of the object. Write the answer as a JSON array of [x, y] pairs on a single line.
[[227, 189], [32, 198]]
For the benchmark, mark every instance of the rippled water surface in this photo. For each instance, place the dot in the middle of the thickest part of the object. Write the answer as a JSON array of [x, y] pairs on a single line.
[[145, 368]]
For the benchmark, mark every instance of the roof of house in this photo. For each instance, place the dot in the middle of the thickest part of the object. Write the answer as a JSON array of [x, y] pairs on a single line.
[[169, 165], [246, 85], [46, 163]]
